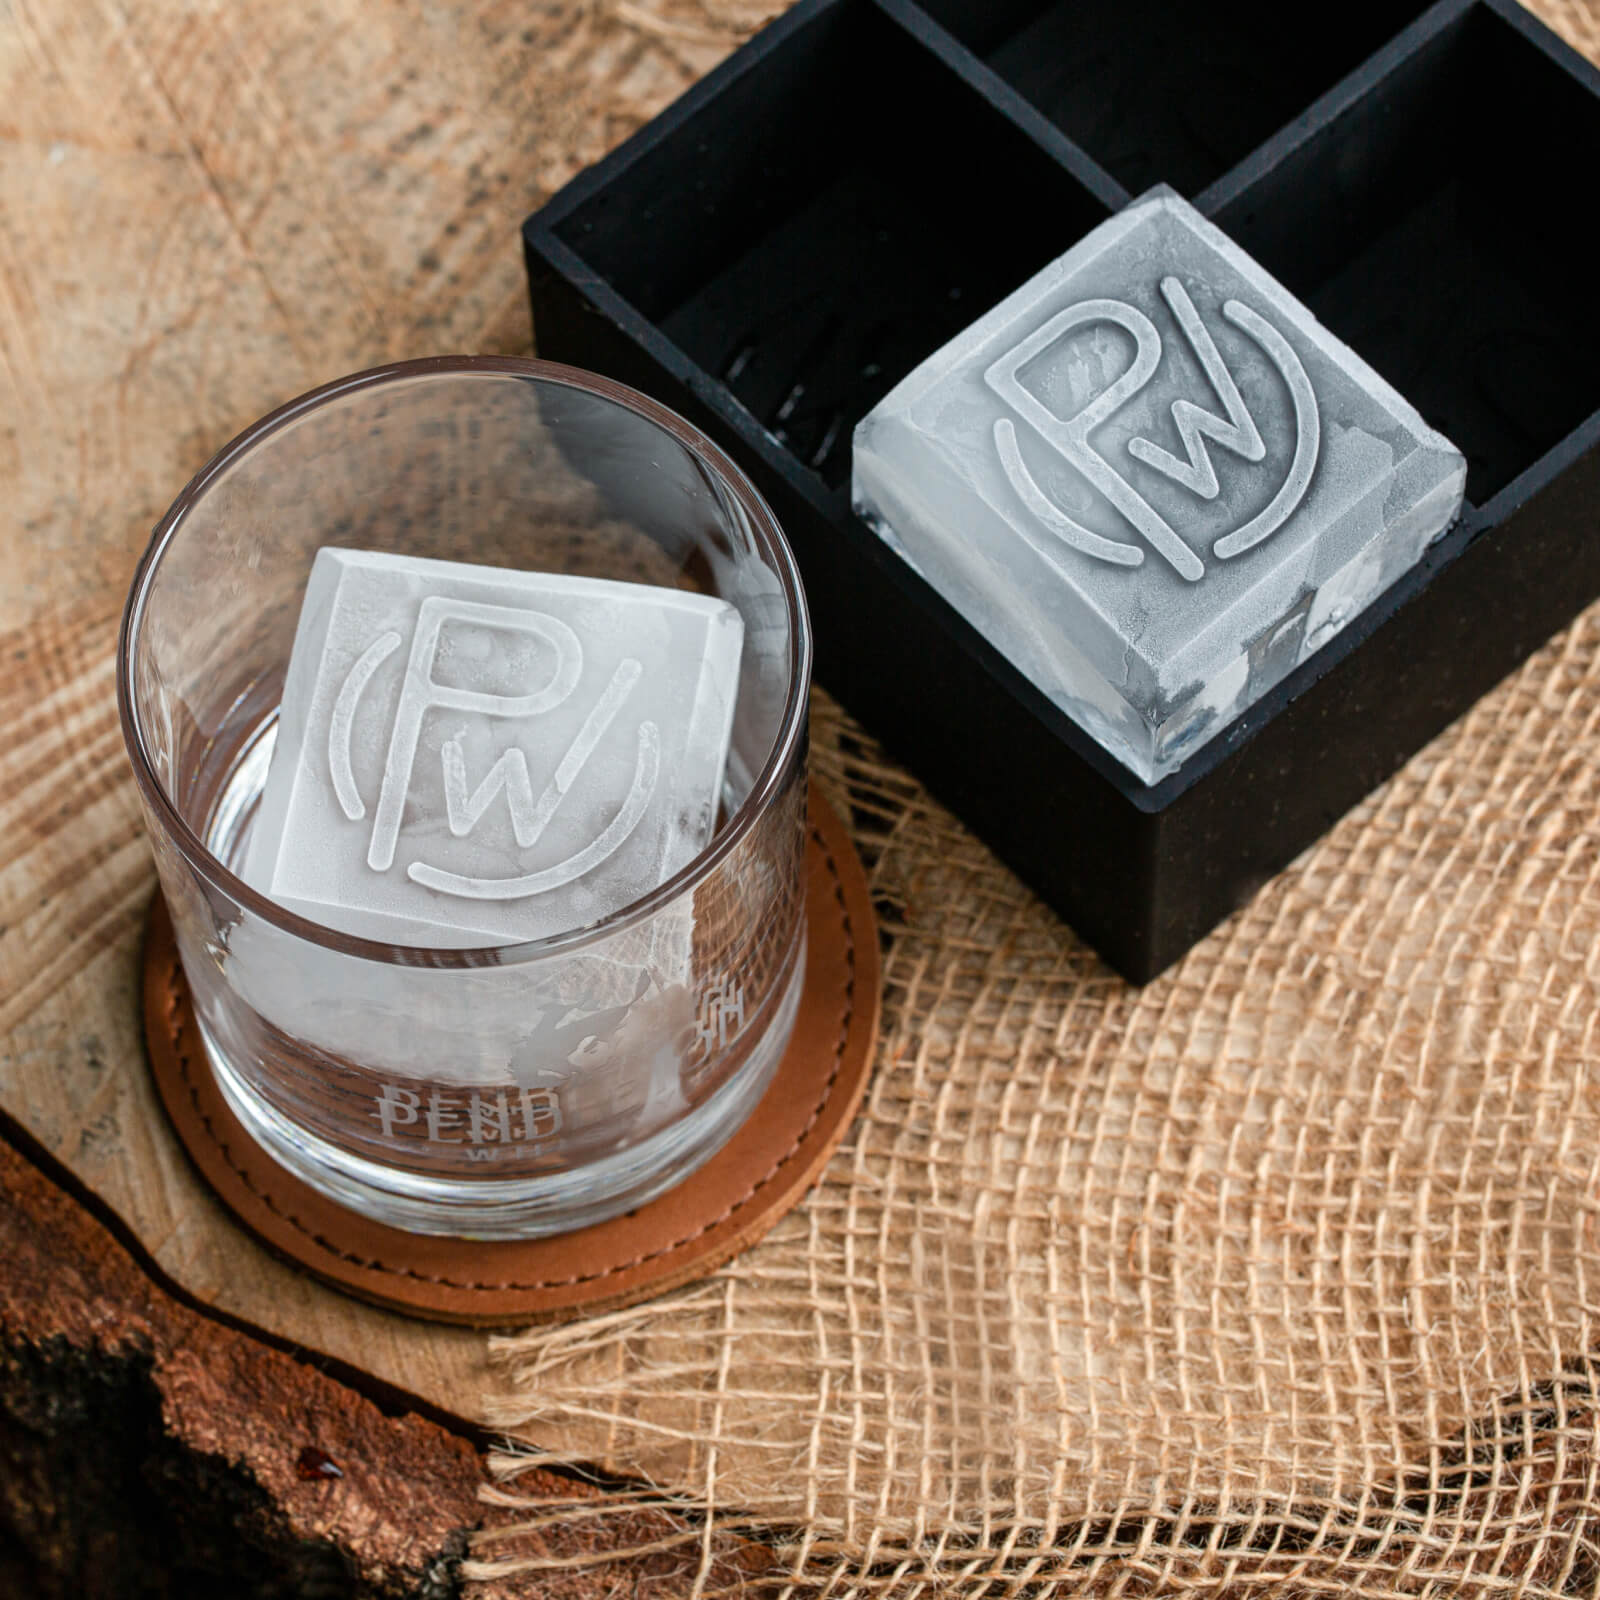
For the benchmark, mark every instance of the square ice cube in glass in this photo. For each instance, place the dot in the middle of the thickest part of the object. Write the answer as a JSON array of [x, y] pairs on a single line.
[[1154, 481], [472, 756]]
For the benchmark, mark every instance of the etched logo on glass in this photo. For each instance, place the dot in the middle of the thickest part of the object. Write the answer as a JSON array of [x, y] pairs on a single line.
[[466, 805], [721, 1017], [487, 1120], [1235, 430]]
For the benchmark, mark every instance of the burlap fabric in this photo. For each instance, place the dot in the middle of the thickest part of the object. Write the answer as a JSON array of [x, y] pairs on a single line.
[[1281, 1272]]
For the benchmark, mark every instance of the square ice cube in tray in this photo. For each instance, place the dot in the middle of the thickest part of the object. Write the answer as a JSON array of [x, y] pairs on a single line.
[[1154, 481], [866, 178]]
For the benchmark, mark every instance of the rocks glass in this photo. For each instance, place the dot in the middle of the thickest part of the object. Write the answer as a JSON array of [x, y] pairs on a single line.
[[504, 1089]]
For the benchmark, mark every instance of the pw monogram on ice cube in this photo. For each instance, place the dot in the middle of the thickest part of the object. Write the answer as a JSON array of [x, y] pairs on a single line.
[[529, 817], [1236, 432]]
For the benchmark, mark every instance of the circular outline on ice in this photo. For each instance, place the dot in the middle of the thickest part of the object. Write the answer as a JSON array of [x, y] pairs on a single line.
[[769, 540], [1070, 436]]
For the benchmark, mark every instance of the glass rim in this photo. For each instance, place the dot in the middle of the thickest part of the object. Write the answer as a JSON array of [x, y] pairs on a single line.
[[769, 539]]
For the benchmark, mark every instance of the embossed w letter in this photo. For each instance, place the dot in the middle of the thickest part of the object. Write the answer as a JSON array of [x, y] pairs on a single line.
[[1236, 431], [421, 693]]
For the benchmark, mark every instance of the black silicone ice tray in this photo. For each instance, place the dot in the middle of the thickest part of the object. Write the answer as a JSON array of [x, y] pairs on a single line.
[[865, 177]]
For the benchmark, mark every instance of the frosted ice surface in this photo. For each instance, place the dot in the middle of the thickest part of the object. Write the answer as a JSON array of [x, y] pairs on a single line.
[[1154, 481], [470, 756]]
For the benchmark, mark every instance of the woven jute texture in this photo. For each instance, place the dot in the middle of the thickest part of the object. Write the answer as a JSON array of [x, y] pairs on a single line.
[[1282, 1272]]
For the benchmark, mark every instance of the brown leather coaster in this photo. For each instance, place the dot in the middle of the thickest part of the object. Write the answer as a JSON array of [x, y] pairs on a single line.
[[732, 1200]]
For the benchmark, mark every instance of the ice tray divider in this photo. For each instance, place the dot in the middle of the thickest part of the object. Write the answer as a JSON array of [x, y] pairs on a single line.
[[1320, 118], [1399, 75], [974, 71]]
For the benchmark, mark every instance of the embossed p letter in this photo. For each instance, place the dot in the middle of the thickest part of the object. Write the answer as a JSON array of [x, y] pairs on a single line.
[[421, 694]]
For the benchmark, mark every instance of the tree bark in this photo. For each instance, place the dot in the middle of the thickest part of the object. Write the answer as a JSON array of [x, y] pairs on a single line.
[[148, 1450], [151, 1450]]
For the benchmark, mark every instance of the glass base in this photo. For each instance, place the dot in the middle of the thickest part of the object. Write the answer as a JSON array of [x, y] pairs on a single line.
[[516, 1208]]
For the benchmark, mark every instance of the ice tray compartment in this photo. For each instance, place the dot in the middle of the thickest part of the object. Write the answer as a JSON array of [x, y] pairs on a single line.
[[833, 242], [1437, 225], [1158, 93]]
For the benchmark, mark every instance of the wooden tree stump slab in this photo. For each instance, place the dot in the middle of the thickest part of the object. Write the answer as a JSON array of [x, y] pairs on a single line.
[[206, 210], [209, 209], [148, 1448]]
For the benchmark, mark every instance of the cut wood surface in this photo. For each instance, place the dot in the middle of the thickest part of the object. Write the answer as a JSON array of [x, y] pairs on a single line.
[[206, 209], [135, 1433]]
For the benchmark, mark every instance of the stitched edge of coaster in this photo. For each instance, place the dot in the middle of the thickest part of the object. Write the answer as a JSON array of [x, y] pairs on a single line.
[[175, 1018], [178, 993]]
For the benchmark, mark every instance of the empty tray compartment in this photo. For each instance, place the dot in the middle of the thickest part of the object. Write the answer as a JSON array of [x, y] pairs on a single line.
[[1439, 226], [843, 208], [1163, 93]]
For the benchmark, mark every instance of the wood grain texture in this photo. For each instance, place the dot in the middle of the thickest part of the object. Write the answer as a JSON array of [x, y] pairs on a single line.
[[72, 1304], [206, 207]]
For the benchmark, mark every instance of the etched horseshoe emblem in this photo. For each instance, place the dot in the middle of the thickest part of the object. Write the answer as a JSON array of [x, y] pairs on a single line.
[[1235, 431]]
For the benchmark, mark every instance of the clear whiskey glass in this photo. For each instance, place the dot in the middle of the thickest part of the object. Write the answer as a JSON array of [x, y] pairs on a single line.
[[517, 1089]]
